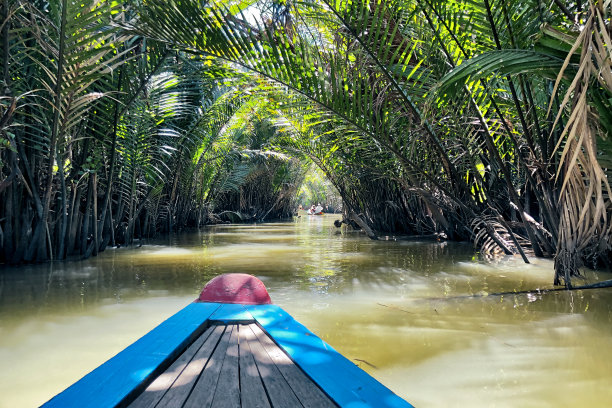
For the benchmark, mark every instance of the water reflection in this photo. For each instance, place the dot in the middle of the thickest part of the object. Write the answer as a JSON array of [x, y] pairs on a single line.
[[399, 309]]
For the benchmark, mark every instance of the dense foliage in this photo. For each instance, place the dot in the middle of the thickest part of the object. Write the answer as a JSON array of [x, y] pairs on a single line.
[[480, 120], [317, 189], [107, 136]]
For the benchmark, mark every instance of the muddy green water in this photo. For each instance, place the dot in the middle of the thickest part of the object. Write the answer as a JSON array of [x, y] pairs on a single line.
[[395, 308]]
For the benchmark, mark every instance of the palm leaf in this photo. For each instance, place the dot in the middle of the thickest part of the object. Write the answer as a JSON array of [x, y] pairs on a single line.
[[500, 62]]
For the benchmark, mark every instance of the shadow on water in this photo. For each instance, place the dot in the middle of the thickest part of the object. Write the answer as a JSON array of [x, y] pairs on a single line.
[[287, 258], [390, 306]]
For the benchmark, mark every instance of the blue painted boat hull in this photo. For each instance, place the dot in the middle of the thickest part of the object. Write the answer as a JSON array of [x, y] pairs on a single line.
[[124, 376]]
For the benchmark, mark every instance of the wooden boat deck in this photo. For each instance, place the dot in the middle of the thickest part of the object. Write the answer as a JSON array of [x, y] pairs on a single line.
[[233, 365], [240, 355]]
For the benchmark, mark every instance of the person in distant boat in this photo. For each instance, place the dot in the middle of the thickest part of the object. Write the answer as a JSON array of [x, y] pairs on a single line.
[[318, 209]]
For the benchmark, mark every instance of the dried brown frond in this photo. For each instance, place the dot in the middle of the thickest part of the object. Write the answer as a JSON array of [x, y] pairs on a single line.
[[493, 238], [584, 226]]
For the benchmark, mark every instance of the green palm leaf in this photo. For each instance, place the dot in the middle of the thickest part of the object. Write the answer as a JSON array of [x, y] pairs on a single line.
[[500, 63]]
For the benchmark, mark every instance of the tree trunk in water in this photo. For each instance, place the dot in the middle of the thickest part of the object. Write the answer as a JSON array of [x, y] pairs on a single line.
[[111, 224], [72, 219], [63, 208], [86, 218], [38, 240], [363, 225], [96, 240], [9, 238], [113, 159]]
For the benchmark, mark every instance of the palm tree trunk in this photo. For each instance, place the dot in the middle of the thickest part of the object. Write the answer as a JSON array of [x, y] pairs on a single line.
[[64, 209], [9, 238], [38, 240], [96, 239], [73, 219], [85, 224], [113, 160]]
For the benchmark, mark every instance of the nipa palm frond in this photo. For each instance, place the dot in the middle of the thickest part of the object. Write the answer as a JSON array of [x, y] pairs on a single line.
[[585, 192]]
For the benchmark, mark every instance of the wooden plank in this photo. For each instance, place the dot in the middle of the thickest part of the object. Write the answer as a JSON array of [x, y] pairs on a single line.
[[252, 391], [177, 394], [309, 394], [122, 376], [343, 381], [156, 390], [227, 393], [279, 391], [202, 393]]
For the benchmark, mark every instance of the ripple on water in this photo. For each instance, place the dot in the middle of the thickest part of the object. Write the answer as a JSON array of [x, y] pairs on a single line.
[[400, 310]]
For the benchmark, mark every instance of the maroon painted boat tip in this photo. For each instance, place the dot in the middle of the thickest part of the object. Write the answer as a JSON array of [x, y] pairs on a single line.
[[235, 288]]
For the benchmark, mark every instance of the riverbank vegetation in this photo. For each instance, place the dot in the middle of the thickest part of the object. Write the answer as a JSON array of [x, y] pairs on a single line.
[[486, 121], [317, 189]]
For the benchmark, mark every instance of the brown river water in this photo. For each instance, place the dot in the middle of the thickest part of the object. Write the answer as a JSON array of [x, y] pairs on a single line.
[[400, 310]]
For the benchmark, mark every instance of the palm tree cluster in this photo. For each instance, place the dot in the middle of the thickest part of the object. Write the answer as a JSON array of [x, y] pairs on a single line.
[[108, 136], [479, 120], [260, 183]]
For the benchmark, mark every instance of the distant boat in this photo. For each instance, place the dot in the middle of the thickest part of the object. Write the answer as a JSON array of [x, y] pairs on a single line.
[[232, 348], [315, 213]]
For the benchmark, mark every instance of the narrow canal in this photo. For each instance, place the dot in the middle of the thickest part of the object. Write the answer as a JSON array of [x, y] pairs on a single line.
[[397, 309]]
